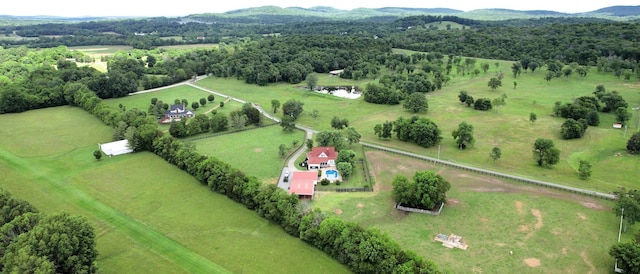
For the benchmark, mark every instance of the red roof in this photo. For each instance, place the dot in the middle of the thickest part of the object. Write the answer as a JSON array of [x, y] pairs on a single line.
[[321, 155], [302, 182]]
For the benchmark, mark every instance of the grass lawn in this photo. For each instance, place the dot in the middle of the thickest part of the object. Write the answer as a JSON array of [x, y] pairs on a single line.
[[169, 95], [507, 127], [562, 232], [149, 215], [259, 157]]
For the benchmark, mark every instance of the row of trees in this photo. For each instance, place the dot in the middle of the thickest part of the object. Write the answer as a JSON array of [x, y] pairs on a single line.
[[362, 250], [33, 242]]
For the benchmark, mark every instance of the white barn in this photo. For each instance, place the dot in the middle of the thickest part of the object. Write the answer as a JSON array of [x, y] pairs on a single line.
[[116, 148]]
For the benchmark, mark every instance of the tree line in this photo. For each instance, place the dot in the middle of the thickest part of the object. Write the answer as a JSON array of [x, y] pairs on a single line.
[[362, 250], [34, 242]]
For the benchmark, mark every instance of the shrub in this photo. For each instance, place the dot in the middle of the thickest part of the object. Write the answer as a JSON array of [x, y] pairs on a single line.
[[325, 182], [338, 182]]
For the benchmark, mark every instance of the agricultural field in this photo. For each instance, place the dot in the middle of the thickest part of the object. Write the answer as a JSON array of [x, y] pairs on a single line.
[[507, 127], [547, 231], [149, 215]]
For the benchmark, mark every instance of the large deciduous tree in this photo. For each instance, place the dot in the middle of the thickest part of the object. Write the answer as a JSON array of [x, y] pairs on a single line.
[[463, 135], [345, 169], [275, 104], [416, 102], [545, 153], [495, 83], [572, 129], [627, 255], [482, 104], [311, 80], [353, 136], [338, 123], [287, 123], [630, 202], [633, 145], [292, 108], [333, 138], [424, 191], [419, 130]]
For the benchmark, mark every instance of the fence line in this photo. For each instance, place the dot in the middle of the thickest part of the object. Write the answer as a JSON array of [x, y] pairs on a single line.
[[591, 193], [365, 166], [418, 210], [345, 189]]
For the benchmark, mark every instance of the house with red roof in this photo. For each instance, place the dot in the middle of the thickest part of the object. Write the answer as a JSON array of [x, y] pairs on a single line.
[[321, 157], [303, 183]]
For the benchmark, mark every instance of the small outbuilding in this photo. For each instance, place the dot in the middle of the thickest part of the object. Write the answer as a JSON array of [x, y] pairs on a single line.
[[116, 148], [336, 72], [303, 183]]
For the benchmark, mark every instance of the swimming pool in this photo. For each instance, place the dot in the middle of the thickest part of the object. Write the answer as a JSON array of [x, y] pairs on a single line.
[[331, 173]]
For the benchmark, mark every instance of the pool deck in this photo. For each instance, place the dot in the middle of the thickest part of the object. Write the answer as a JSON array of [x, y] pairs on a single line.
[[324, 174]]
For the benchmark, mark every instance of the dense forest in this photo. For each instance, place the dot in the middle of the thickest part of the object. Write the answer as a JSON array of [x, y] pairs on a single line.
[[581, 40]]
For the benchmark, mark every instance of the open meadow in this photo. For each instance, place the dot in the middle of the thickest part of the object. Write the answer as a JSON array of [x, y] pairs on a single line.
[[547, 231], [168, 95], [507, 127], [258, 157], [150, 217]]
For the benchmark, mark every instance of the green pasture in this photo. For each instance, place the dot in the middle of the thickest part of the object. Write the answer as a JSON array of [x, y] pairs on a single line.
[[190, 46], [100, 50], [142, 101], [507, 127], [253, 151], [328, 106], [149, 215], [567, 233]]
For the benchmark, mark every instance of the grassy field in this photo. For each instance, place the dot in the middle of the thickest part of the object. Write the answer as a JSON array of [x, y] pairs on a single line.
[[507, 127], [168, 95], [253, 148], [149, 216], [564, 233]]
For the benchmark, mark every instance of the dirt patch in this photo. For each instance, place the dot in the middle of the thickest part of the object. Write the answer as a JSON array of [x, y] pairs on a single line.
[[564, 251], [586, 260], [338, 211], [538, 216], [523, 228], [484, 220], [359, 205], [258, 150], [532, 262], [519, 206], [582, 216], [593, 205], [500, 244]]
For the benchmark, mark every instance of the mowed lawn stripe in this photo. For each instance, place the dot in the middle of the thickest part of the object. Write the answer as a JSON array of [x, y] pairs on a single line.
[[140, 232]]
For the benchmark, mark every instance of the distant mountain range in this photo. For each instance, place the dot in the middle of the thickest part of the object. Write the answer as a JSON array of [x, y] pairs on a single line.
[[621, 13], [274, 14]]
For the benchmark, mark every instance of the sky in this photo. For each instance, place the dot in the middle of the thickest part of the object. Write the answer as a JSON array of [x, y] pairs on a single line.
[[74, 8]]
